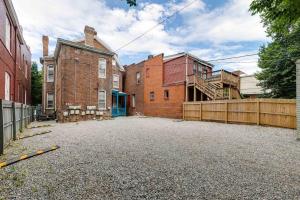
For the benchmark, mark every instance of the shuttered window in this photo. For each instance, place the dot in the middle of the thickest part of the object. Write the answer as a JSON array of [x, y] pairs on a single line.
[[102, 68], [116, 81], [102, 99]]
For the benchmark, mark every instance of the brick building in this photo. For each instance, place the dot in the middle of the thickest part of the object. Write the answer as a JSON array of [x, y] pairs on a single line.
[[15, 57], [82, 79], [159, 85]]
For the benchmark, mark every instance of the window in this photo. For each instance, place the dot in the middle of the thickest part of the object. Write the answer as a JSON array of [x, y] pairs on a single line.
[[138, 78], [195, 68], [50, 73], [102, 68], [200, 70], [226, 92], [7, 33], [50, 100], [115, 81], [147, 73], [166, 94], [7, 86], [102, 100], [152, 96], [133, 101], [26, 70], [114, 62]]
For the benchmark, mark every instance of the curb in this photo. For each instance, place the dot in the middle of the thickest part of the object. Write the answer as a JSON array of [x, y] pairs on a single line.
[[28, 136], [26, 156]]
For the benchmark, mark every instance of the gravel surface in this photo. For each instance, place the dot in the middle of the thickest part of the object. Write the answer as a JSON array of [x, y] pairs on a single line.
[[153, 158]]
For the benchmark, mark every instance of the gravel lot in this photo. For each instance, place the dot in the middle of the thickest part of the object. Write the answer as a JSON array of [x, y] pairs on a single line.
[[153, 158]]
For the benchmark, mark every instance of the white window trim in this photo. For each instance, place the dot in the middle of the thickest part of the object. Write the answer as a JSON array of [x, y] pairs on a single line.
[[104, 108], [48, 101], [7, 40], [118, 85], [100, 75], [48, 79], [7, 86], [133, 101], [138, 80]]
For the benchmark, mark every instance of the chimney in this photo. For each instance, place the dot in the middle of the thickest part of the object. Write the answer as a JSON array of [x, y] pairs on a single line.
[[45, 45], [89, 33], [150, 56]]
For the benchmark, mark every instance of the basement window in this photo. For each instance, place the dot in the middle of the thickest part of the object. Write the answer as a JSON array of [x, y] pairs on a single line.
[[166, 94], [152, 96]]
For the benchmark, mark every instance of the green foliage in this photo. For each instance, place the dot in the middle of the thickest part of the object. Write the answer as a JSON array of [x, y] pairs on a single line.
[[279, 16], [277, 59], [36, 84], [131, 2]]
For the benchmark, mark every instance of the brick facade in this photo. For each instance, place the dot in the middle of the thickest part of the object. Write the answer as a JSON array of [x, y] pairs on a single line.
[[162, 89], [77, 79], [16, 60], [135, 88]]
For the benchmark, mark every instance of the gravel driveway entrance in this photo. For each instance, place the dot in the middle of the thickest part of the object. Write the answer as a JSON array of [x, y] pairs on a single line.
[[153, 158]]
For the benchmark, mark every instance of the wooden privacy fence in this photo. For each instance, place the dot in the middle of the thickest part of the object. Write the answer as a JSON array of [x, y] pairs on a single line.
[[13, 118], [272, 112]]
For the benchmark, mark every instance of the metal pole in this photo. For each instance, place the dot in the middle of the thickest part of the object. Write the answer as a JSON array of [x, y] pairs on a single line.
[[1, 128], [298, 97]]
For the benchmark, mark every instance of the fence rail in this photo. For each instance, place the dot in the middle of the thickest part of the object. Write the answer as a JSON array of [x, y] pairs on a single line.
[[271, 112], [14, 117]]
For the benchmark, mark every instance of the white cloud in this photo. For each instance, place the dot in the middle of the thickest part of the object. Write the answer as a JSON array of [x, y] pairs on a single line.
[[116, 26]]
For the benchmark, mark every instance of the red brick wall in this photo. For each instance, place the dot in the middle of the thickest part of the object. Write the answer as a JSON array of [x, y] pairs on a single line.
[[132, 88], [12, 62], [160, 106]]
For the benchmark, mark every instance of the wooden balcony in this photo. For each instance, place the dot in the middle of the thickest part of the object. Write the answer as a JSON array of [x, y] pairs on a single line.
[[223, 76]]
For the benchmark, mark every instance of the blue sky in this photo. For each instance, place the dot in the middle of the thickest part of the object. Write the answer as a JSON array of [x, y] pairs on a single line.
[[209, 29]]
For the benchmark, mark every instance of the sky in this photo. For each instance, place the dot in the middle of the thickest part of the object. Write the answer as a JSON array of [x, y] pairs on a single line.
[[209, 29]]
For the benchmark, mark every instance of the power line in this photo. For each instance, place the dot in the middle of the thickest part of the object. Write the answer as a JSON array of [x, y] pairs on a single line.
[[166, 18], [229, 58]]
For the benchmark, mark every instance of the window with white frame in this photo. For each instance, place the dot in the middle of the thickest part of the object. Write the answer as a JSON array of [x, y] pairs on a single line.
[[133, 101], [7, 86], [116, 81], [50, 100], [138, 78], [102, 68], [7, 33], [102, 99], [50, 73]]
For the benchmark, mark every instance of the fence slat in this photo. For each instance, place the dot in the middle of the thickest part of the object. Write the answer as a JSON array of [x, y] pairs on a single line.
[[272, 112]]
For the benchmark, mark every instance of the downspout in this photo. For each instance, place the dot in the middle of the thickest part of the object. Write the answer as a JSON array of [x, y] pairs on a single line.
[[186, 77]]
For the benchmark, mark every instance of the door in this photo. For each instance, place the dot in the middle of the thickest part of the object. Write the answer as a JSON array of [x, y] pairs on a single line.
[[7, 86]]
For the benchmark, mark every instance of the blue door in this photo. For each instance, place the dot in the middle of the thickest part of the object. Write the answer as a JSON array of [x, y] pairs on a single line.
[[118, 103]]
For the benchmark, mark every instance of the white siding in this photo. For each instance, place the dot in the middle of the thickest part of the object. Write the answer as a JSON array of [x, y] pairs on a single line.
[[249, 85]]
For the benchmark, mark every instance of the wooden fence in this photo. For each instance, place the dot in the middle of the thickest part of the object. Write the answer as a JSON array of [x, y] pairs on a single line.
[[13, 118], [271, 112]]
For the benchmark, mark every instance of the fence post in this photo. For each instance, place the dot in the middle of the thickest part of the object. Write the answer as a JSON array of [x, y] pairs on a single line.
[[26, 116], [200, 111], [21, 119], [226, 112], [14, 121], [1, 128], [258, 111], [298, 97]]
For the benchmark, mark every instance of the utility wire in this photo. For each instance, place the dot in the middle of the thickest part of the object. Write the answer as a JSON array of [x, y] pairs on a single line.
[[166, 18], [229, 58]]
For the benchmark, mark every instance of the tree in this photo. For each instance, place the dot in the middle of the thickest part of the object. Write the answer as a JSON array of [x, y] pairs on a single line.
[[277, 59], [131, 2], [36, 84]]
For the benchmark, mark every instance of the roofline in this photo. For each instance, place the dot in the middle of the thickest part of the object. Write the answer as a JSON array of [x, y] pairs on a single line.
[[191, 55], [61, 41]]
